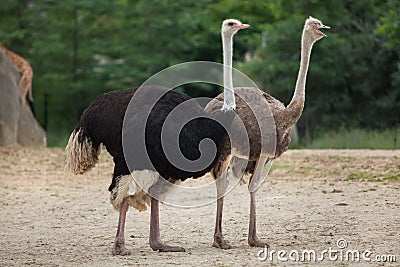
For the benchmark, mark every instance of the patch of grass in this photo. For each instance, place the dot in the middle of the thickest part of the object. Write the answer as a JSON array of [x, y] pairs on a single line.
[[336, 173], [336, 158], [368, 190], [282, 167], [374, 177], [357, 176], [309, 168], [357, 139], [324, 191], [345, 167], [391, 177], [40, 161]]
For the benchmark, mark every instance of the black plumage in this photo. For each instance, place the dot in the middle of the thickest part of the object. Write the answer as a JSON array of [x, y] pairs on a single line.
[[102, 123]]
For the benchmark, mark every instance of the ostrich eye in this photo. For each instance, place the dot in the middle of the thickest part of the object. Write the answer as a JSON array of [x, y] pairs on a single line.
[[231, 23]]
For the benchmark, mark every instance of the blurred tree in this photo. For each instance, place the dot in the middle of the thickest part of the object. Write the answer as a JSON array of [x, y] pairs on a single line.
[[65, 42], [349, 77], [82, 48], [390, 29]]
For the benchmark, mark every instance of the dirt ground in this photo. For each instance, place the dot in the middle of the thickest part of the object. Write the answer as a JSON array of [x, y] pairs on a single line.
[[311, 199]]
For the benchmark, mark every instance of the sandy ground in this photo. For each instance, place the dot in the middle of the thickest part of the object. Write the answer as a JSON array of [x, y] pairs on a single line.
[[311, 199]]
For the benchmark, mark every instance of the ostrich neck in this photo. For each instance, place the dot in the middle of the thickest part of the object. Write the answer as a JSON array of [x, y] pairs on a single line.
[[229, 95], [296, 105]]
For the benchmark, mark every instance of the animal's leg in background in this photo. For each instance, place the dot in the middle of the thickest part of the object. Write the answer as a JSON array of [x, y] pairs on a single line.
[[254, 184], [155, 240], [238, 168], [221, 175], [119, 245], [25, 83]]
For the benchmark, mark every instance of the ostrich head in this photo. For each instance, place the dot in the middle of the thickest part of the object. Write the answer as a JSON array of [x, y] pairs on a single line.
[[312, 29], [232, 26]]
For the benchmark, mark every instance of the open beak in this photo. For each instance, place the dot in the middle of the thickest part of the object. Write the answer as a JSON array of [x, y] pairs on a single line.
[[241, 26], [323, 27]]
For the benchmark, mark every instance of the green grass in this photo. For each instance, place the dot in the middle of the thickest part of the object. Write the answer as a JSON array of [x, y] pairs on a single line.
[[282, 167], [368, 190], [307, 169], [374, 177], [334, 173], [357, 139]]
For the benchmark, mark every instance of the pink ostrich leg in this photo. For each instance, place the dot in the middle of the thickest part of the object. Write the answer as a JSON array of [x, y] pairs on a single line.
[[155, 240], [119, 245]]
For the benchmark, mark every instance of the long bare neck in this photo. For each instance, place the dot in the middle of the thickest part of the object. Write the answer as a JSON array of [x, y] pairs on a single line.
[[296, 105], [229, 95]]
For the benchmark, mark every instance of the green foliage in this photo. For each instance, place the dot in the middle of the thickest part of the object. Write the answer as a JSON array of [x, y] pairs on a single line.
[[353, 79], [82, 48], [386, 177], [390, 23]]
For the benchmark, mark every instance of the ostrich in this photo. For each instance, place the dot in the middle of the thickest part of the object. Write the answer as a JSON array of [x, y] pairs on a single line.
[[102, 123], [284, 118]]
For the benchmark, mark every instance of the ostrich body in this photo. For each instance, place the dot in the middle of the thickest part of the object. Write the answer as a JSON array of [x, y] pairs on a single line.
[[284, 118], [102, 123]]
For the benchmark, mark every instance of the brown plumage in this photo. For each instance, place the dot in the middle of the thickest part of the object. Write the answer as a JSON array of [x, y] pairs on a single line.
[[283, 118], [25, 72], [246, 115]]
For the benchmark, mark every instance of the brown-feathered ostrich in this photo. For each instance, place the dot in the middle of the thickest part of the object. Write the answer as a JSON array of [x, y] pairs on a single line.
[[103, 123], [284, 118]]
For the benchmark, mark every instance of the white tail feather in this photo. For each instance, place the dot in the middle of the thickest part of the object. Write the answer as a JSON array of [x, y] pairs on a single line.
[[81, 156]]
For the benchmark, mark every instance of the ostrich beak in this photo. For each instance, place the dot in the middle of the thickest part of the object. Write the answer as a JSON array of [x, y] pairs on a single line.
[[323, 27], [241, 26]]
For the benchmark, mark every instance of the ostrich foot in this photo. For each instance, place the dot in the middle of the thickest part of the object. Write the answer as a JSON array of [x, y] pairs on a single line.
[[154, 239], [219, 242], [255, 242], [119, 249], [165, 248], [222, 245]]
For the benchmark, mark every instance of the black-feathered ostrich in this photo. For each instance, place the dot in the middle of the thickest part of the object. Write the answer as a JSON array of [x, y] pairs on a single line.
[[284, 118], [102, 123]]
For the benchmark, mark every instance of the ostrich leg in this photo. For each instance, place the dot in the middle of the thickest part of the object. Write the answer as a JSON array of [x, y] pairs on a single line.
[[255, 182], [155, 240], [220, 174], [219, 242], [119, 245]]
